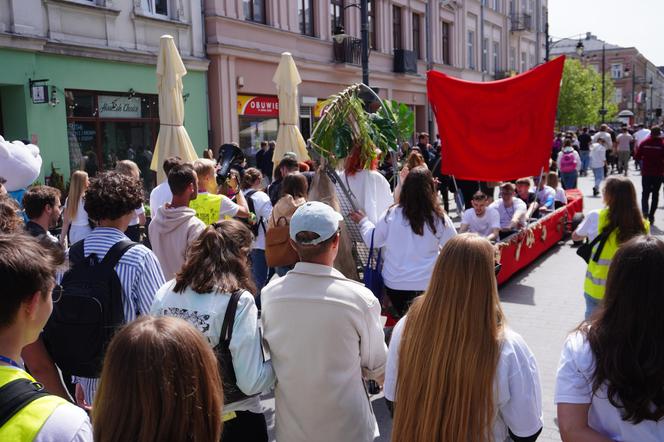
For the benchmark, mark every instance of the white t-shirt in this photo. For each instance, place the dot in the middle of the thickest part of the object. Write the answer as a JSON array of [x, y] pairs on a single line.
[[608, 142], [597, 155], [138, 212], [263, 209], [517, 389], [574, 386], [640, 135], [560, 195], [81, 218], [408, 259], [507, 213], [371, 190], [159, 196], [483, 225], [546, 196], [589, 226], [67, 423], [623, 141]]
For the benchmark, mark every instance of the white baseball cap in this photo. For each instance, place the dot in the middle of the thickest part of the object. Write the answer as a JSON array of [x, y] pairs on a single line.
[[316, 217]]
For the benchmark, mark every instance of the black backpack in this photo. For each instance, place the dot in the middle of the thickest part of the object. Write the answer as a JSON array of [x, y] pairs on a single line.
[[16, 395], [88, 313], [252, 209], [232, 392]]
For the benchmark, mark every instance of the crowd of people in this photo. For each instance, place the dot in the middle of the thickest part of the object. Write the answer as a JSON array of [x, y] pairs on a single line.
[[169, 323], [608, 151]]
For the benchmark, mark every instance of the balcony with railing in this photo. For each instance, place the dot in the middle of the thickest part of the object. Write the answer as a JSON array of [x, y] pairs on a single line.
[[347, 50], [521, 22]]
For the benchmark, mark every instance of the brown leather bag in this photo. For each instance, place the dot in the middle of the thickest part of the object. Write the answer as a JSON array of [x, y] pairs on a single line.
[[278, 250]]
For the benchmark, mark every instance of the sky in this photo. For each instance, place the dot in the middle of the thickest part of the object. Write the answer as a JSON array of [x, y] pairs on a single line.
[[637, 23]]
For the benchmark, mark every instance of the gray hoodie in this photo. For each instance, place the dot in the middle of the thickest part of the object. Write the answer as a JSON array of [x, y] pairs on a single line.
[[172, 230]]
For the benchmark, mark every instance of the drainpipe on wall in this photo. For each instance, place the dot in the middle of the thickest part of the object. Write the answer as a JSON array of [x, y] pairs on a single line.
[[483, 50], [429, 51]]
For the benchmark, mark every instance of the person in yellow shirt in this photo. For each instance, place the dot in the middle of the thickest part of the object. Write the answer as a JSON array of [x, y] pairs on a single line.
[[209, 206], [27, 411]]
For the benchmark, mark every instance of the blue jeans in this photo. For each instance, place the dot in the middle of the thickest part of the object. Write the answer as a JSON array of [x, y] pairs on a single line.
[[258, 268], [598, 173], [569, 179], [585, 160], [591, 305]]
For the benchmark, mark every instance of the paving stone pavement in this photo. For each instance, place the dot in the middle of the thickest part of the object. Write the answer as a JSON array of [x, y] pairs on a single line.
[[543, 303]]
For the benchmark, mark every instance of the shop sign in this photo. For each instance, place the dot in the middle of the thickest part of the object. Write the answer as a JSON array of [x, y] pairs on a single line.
[[258, 105], [111, 106]]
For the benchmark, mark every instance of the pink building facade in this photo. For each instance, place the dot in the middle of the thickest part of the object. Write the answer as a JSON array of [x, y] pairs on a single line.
[[245, 38]]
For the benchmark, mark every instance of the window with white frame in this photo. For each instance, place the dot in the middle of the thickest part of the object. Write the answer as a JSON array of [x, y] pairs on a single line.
[[157, 7], [524, 62], [617, 95], [485, 55], [513, 58], [471, 49], [616, 71]]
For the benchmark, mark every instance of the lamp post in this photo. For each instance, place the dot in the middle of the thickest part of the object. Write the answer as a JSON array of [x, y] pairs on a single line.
[[363, 6], [550, 45], [602, 111], [638, 81]]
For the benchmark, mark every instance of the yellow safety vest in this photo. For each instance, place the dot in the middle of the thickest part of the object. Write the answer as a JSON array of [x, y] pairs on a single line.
[[207, 207], [25, 425], [595, 283]]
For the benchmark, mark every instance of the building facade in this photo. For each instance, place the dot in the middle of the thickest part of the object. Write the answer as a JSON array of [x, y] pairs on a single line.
[[471, 39], [78, 78], [639, 84]]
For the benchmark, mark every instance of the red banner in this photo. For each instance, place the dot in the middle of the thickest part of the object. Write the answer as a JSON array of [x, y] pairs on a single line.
[[499, 130]]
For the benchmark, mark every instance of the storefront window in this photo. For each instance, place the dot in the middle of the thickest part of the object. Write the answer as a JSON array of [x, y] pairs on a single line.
[[259, 121], [106, 127]]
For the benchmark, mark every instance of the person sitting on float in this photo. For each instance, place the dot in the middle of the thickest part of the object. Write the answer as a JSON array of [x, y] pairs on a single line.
[[512, 210], [481, 219]]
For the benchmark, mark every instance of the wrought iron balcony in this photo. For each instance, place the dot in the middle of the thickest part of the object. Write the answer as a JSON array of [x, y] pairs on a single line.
[[347, 50], [521, 22]]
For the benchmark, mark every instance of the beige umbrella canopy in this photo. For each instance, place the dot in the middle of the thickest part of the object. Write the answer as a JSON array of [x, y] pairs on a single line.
[[173, 139], [289, 138]]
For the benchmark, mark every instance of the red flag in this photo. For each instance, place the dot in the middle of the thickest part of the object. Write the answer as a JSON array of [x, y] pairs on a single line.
[[499, 130]]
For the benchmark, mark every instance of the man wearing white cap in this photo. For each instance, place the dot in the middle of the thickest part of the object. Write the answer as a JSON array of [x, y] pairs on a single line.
[[324, 335]]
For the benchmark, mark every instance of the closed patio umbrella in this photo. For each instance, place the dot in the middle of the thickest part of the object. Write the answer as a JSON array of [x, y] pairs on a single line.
[[173, 139], [289, 138]]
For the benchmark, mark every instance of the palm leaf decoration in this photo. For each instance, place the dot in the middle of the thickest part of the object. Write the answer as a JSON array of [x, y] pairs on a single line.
[[346, 125]]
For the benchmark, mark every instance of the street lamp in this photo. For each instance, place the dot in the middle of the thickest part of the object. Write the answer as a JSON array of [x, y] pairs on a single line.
[[363, 6], [579, 48]]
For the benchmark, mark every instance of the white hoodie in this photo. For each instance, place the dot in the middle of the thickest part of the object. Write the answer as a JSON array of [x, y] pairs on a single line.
[[171, 232]]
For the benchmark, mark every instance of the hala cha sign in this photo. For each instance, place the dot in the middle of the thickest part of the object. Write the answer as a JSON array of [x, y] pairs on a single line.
[[111, 106]]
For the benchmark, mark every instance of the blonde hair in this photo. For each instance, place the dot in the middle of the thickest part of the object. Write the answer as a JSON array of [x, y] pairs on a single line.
[[77, 186], [129, 168], [450, 348], [204, 167]]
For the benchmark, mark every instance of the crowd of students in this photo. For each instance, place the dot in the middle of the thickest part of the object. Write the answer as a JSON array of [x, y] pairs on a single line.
[[178, 340]]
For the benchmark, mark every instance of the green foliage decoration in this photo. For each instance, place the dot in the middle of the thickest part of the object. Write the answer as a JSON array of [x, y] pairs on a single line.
[[346, 125]]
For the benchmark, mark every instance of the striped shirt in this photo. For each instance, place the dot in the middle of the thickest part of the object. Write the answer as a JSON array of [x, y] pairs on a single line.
[[140, 276]]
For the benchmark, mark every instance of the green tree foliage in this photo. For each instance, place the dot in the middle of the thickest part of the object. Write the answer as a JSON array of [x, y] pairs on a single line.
[[580, 97]]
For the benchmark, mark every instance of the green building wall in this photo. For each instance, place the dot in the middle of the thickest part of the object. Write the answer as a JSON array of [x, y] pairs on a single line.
[[22, 119]]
